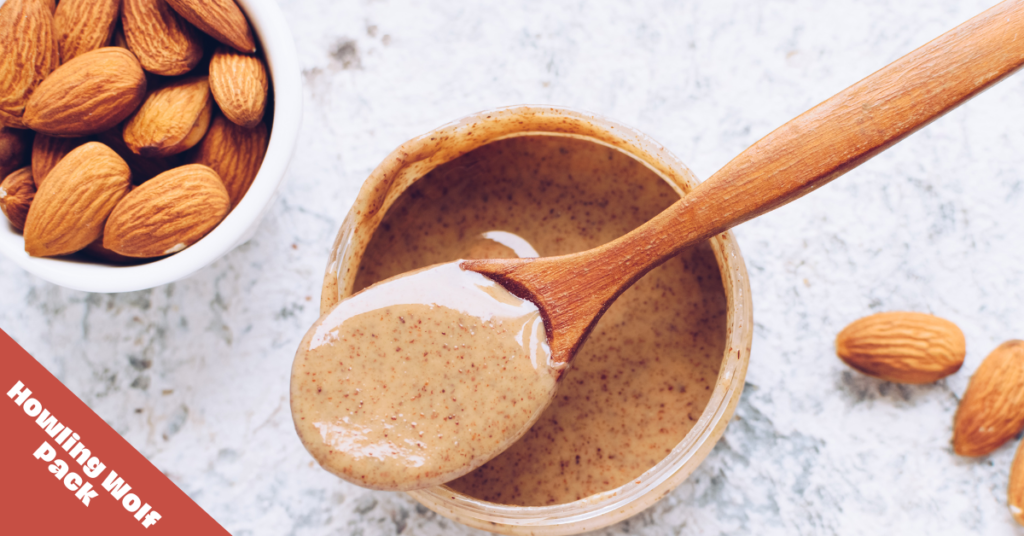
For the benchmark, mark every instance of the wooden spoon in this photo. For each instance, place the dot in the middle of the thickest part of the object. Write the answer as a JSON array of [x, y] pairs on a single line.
[[573, 291]]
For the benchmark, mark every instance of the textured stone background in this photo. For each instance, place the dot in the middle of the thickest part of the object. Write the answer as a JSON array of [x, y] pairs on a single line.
[[194, 374]]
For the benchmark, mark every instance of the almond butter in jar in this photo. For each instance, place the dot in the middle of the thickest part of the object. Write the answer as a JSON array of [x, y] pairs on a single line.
[[652, 389]]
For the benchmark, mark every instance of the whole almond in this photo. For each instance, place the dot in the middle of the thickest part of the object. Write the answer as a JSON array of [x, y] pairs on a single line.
[[28, 53], [168, 213], [164, 43], [992, 409], [220, 19], [88, 94], [903, 347], [50, 4], [102, 254], [239, 84], [172, 119], [47, 151], [84, 25], [16, 194], [15, 147], [73, 204], [1015, 490], [235, 153]]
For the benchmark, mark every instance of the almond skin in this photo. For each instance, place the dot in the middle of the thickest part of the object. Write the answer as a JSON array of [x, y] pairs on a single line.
[[235, 153], [220, 19], [172, 119], [990, 411], [88, 94], [903, 347], [1015, 491], [164, 43], [28, 53], [15, 148], [239, 84], [16, 194], [73, 204], [168, 213], [47, 151], [84, 25]]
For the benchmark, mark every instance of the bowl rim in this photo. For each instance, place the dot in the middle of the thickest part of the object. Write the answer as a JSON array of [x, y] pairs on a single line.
[[275, 37]]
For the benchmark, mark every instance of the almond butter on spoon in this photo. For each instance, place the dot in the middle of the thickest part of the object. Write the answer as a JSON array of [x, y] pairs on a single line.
[[367, 436]]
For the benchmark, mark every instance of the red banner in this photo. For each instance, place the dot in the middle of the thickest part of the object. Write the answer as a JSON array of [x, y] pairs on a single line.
[[67, 472]]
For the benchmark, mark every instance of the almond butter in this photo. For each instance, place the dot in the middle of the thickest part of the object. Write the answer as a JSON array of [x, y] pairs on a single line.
[[990, 411], [220, 19], [1015, 490], [168, 213], [47, 151], [239, 84], [88, 94], [73, 203], [16, 194], [172, 119], [235, 153], [15, 147], [28, 53], [164, 43], [84, 25], [903, 347]]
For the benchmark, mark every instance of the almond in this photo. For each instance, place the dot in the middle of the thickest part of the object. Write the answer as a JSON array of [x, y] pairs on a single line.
[[220, 19], [990, 411], [142, 168], [84, 25], [47, 151], [15, 146], [172, 119], [235, 153], [100, 253], [168, 213], [88, 94], [163, 41], [239, 84], [16, 194], [50, 4], [28, 53], [74, 201], [1015, 491], [903, 347]]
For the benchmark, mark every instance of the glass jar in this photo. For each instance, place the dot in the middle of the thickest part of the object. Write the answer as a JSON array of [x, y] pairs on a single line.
[[417, 157]]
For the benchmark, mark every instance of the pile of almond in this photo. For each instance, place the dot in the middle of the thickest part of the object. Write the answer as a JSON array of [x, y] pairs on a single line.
[[130, 128], [921, 348]]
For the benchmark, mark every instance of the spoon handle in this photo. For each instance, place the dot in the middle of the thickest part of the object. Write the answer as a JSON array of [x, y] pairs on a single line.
[[573, 291], [842, 132]]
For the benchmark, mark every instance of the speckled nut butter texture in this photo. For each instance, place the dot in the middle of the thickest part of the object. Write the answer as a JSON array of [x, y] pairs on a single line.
[[645, 374], [418, 380]]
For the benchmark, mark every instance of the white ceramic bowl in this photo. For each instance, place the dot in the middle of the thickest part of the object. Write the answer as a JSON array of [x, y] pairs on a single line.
[[279, 49]]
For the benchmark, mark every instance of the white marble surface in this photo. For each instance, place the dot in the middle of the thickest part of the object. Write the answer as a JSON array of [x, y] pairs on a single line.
[[194, 374]]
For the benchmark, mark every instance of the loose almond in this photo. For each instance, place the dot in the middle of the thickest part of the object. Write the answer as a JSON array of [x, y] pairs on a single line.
[[73, 203], [15, 147], [88, 94], [221, 19], [168, 213], [235, 153], [239, 84], [172, 119], [84, 25], [164, 43], [47, 151], [992, 409], [903, 347], [16, 194], [28, 53], [1015, 491], [100, 253]]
